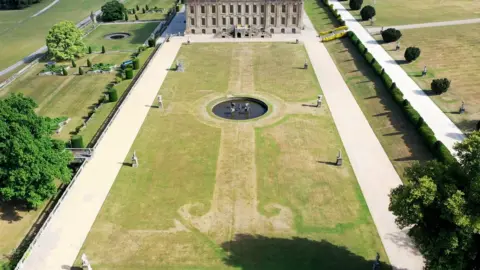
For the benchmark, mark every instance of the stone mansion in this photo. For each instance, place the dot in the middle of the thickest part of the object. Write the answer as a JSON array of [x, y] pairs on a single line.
[[243, 18]]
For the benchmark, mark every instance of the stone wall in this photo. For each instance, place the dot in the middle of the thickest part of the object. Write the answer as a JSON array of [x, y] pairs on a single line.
[[214, 16]]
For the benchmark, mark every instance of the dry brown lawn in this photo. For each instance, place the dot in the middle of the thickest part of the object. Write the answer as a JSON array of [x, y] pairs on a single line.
[[448, 52], [226, 195]]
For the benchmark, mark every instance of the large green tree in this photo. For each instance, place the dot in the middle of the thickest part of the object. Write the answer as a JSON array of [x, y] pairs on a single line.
[[30, 160], [113, 11], [441, 204], [64, 41]]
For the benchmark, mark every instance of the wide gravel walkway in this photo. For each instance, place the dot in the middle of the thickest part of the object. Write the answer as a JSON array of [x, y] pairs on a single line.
[[373, 169], [60, 242], [425, 25], [444, 129]]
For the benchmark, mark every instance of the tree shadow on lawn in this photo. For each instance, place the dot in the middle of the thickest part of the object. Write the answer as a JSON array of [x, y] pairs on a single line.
[[252, 252], [396, 118], [10, 212]]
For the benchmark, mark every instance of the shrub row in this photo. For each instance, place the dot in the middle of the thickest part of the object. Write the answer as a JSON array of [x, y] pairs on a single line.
[[437, 148], [335, 12], [336, 36], [334, 30]]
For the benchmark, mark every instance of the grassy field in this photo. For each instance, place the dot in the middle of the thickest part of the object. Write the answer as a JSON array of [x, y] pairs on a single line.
[[139, 34], [448, 52], [21, 38], [68, 97], [398, 137], [165, 4], [213, 194], [398, 12]]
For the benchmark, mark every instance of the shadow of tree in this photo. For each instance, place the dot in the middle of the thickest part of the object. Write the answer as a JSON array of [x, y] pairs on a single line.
[[249, 252], [10, 212]]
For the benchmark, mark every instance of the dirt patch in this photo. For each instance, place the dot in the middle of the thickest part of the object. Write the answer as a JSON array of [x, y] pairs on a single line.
[[241, 74], [234, 203]]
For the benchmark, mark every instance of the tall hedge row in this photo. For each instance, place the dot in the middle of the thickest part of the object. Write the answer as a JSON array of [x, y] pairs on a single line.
[[438, 149]]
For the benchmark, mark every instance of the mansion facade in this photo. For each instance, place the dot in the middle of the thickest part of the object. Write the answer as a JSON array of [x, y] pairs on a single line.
[[243, 18]]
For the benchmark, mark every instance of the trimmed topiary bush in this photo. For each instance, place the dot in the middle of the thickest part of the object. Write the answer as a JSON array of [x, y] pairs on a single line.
[[89, 63], [136, 64], [136, 17], [151, 42], [80, 71], [391, 35], [89, 50], [428, 136], [103, 49], [146, 7], [112, 95], [128, 73], [143, 10], [73, 63], [412, 53], [440, 86], [355, 4], [137, 7], [77, 141], [64, 72], [367, 13]]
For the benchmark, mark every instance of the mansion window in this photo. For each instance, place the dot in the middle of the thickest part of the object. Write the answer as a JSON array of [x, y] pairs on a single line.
[[294, 8], [247, 21], [239, 9], [192, 21], [294, 20], [262, 8], [239, 20], [231, 8], [247, 8], [231, 20], [254, 8], [272, 8], [283, 20], [262, 20], [272, 20], [203, 21], [224, 21], [224, 9], [203, 9], [254, 21], [284, 8], [192, 9], [214, 21], [213, 9]]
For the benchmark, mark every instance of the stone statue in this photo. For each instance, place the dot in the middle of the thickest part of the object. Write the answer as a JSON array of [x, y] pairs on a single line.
[[398, 46], [180, 66], [85, 262], [339, 158], [305, 65], [160, 101], [319, 101], [134, 160], [188, 40]]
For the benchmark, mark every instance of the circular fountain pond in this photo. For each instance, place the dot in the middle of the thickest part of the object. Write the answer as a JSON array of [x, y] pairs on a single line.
[[240, 108], [116, 36]]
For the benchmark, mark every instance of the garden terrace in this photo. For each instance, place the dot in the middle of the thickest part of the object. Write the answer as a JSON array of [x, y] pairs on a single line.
[[266, 184]]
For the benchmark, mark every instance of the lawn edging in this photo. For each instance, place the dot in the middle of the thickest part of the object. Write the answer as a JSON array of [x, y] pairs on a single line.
[[438, 149]]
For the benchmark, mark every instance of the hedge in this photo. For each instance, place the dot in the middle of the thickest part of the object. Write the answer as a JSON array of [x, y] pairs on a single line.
[[437, 148], [136, 64], [128, 73], [112, 95], [77, 141]]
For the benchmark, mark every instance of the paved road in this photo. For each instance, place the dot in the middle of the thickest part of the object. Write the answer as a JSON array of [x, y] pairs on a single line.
[[425, 25], [444, 129], [132, 22], [60, 242]]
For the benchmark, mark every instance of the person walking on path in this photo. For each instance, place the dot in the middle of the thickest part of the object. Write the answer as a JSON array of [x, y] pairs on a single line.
[[424, 72]]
